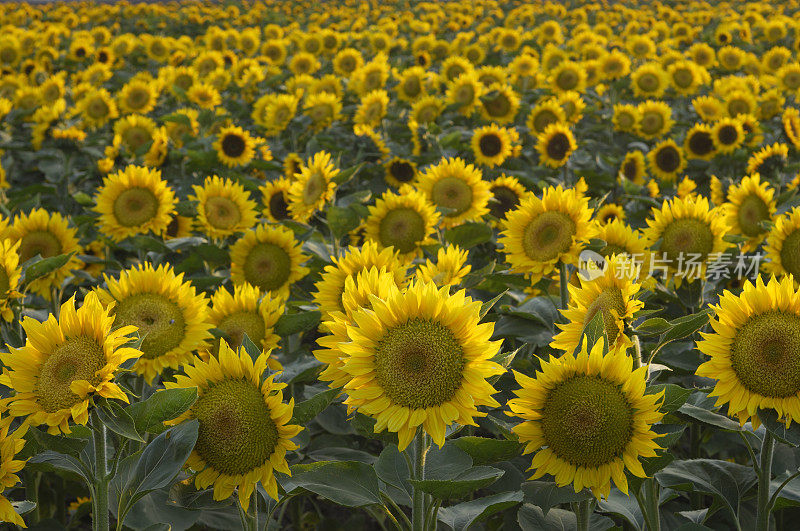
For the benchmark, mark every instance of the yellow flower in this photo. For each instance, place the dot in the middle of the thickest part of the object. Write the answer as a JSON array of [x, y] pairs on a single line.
[[234, 146], [752, 350], [400, 171], [666, 160], [275, 198], [458, 188], [507, 194], [372, 108], [171, 317], [10, 445], [783, 245], [633, 168], [313, 187], [750, 203], [404, 220], [10, 273], [492, 145], [65, 362], [420, 358], [269, 258], [224, 207], [649, 81], [587, 418], [137, 97], [97, 108], [449, 270], [543, 114], [609, 212], [500, 104], [323, 109], [244, 432], [555, 144], [134, 201], [699, 143], [727, 135], [768, 159], [655, 119]]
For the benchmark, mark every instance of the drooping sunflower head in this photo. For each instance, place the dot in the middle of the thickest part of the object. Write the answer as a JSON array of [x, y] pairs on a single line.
[[542, 232], [687, 229], [750, 203], [243, 424], [269, 258], [313, 188], [413, 366], [65, 362], [666, 160], [234, 146], [275, 198], [224, 207], [699, 142], [587, 418], [456, 187], [753, 350], [134, 201], [491, 145], [555, 144], [171, 317]]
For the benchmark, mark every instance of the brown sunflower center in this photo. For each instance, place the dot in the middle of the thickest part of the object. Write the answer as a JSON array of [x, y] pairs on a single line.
[[78, 358], [752, 211], [558, 146], [402, 171], [668, 159], [728, 135], [700, 143], [687, 236], [236, 325], [278, 206], [233, 145], [41, 242], [548, 235], [567, 79], [497, 106], [490, 145], [222, 212], [652, 123], [505, 199]]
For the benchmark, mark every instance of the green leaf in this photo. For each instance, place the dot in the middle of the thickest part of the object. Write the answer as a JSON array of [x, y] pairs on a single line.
[[540, 309], [306, 410], [532, 518], [546, 494], [150, 415], [253, 350], [345, 175], [593, 331], [699, 406], [342, 220], [624, 507], [63, 462], [674, 396], [790, 435], [119, 420], [726, 482], [392, 469], [23, 507], [463, 515], [683, 327], [348, 483], [459, 486], [57, 443], [655, 325], [469, 235], [484, 451], [295, 323], [45, 266], [486, 306]]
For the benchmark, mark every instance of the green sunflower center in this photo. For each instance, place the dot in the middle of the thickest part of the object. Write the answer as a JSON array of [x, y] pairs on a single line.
[[498, 106], [412, 86], [465, 94], [267, 266], [652, 123], [78, 358], [135, 207], [161, 322], [625, 120], [567, 79], [233, 145], [700, 143], [685, 237], [222, 212], [402, 228], [542, 119], [610, 299], [236, 433], [683, 77], [40, 242], [138, 98], [648, 82], [419, 364], [548, 235], [587, 421], [558, 146], [236, 325], [490, 145], [790, 253], [452, 193], [278, 206], [505, 199], [314, 188], [97, 108], [136, 137], [752, 211], [738, 106], [765, 354]]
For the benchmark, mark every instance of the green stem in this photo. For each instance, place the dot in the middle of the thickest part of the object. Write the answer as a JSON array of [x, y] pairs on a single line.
[[563, 284], [652, 496], [637, 352], [251, 518], [582, 514], [100, 498], [32, 481], [399, 511], [418, 499], [767, 449]]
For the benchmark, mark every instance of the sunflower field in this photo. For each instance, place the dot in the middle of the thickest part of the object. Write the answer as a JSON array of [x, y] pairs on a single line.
[[400, 265]]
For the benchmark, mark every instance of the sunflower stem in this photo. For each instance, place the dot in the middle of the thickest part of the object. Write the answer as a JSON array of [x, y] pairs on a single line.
[[582, 513], [767, 449], [652, 496], [418, 500], [251, 518], [100, 516], [563, 280]]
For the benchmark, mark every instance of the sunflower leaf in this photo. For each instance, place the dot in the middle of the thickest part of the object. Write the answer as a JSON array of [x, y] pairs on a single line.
[[45, 266], [306, 410], [778, 429], [469, 235], [150, 415], [348, 483], [459, 486], [295, 323], [546, 494]]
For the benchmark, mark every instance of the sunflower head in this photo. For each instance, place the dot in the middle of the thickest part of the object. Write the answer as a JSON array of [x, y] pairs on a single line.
[[224, 207], [313, 187], [456, 187], [234, 146], [555, 144]]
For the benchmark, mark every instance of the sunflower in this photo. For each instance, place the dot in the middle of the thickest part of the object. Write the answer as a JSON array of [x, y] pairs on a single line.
[[649, 81], [137, 97], [269, 258], [372, 108], [246, 312], [465, 92], [458, 188], [179, 227], [608, 213], [555, 144], [10, 445], [740, 102], [612, 293], [727, 135], [347, 61], [244, 435], [134, 201], [223, 207], [449, 269], [399, 172], [542, 232], [686, 77], [791, 125], [633, 167], [699, 143], [690, 234], [204, 95], [750, 203], [172, 319], [543, 114], [404, 220], [623, 240], [426, 109], [134, 132], [566, 76], [768, 160], [330, 287], [10, 273], [97, 108], [411, 83], [507, 194], [65, 362], [626, 117], [313, 187], [275, 198], [234, 146], [357, 292], [491, 145], [783, 245], [323, 109], [420, 358], [708, 108], [789, 78], [500, 104], [45, 234], [655, 119], [615, 65], [753, 348], [666, 160], [587, 417]]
